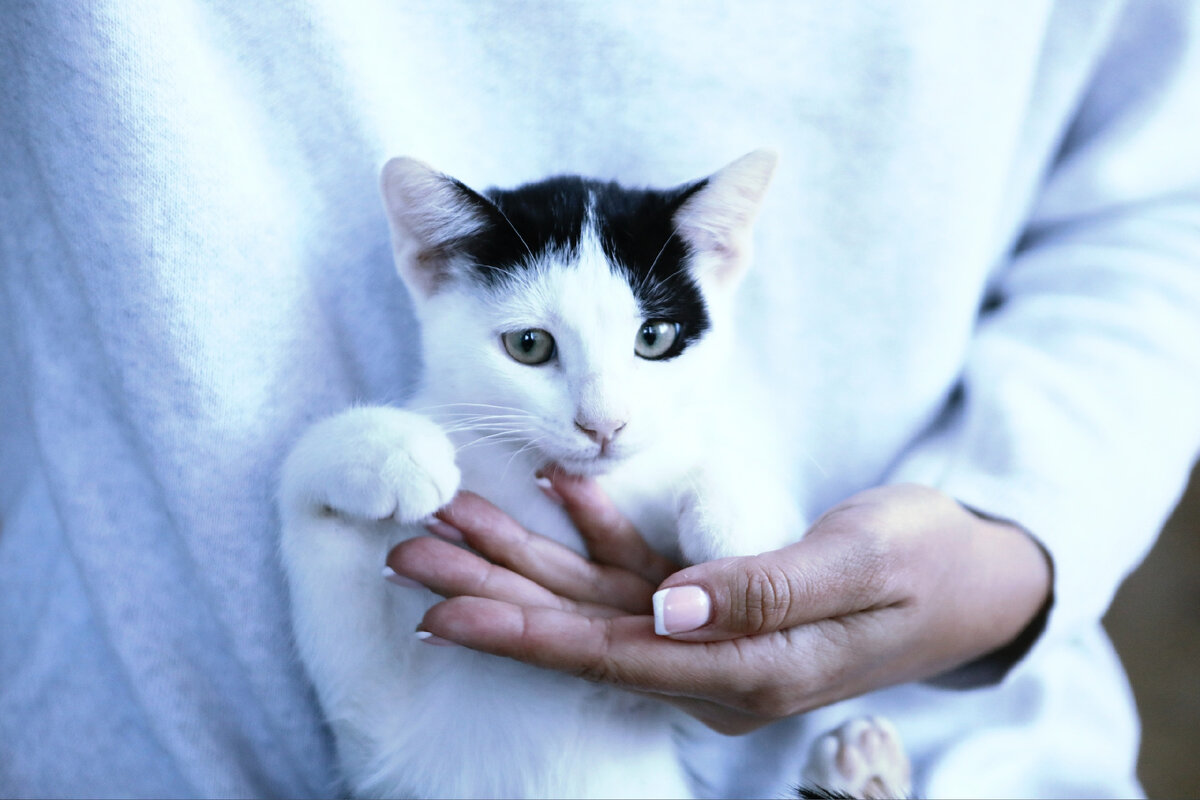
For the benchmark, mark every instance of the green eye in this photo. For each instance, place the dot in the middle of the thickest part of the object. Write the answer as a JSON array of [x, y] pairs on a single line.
[[533, 346], [656, 338]]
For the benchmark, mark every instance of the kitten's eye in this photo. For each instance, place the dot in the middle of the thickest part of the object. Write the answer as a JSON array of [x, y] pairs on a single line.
[[656, 338], [533, 346]]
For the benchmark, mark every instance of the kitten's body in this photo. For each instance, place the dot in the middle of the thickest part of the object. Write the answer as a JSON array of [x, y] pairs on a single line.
[[672, 436]]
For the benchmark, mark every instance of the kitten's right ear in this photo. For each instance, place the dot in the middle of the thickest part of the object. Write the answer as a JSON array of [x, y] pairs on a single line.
[[430, 215], [716, 218]]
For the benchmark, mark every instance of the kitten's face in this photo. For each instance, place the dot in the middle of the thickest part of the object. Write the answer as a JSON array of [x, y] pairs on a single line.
[[569, 317], [565, 359]]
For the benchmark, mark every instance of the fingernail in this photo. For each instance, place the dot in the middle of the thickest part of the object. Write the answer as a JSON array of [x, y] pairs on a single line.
[[429, 638], [547, 488], [443, 529], [392, 576], [680, 609]]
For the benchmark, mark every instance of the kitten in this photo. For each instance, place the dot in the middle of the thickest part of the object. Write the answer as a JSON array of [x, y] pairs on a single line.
[[568, 321]]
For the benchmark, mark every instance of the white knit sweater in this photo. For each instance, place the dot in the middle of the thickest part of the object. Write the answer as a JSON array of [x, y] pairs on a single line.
[[194, 264]]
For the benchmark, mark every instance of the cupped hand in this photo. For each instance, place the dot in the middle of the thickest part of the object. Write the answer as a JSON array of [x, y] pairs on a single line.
[[895, 584]]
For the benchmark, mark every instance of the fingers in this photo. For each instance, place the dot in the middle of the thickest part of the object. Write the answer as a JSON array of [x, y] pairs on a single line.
[[497, 537], [450, 571], [871, 597], [821, 577], [732, 686], [610, 537], [619, 650]]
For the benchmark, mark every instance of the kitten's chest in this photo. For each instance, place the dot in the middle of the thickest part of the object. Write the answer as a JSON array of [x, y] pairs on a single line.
[[646, 496]]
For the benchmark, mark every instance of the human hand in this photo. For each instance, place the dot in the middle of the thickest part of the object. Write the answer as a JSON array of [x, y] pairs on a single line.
[[895, 584]]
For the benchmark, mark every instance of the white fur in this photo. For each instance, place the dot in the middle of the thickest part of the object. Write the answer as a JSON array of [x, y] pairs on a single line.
[[692, 468]]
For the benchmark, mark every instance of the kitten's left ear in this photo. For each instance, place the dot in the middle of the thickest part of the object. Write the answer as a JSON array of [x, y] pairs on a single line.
[[717, 218]]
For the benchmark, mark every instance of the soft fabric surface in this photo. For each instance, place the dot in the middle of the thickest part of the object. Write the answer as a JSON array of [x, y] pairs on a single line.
[[195, 265]]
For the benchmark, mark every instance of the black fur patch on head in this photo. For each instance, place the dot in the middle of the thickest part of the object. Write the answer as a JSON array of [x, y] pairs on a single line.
[[528, 223], [634, 227], [638, 236]]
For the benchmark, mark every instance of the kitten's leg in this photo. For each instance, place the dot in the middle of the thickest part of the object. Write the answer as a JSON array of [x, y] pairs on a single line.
[[863, 758], [351, 487], [735, 509]]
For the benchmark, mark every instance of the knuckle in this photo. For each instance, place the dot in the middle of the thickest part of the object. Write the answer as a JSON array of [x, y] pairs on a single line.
[[595, 666], [488, 581], [595, 672], [767, 595], [593, 584]]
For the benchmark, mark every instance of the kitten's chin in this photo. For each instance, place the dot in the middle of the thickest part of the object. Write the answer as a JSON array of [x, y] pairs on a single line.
[[589, 467]]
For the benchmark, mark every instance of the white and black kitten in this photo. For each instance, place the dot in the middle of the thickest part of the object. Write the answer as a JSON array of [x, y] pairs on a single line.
[[568, 321]]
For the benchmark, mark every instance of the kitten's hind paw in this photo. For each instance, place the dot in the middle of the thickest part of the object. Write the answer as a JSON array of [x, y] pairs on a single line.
[[864, 758], [371, 463]]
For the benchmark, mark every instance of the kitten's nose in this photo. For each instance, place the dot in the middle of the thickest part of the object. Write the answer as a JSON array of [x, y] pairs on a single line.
[[602, 432]]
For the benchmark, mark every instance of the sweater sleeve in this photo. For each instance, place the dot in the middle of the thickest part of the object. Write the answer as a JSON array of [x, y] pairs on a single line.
[[1077, 412]]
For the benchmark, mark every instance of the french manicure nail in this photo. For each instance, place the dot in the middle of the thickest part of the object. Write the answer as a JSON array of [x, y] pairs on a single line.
[[680, 609], [429, 638], [390, 575], [443, 529], [547, 488]]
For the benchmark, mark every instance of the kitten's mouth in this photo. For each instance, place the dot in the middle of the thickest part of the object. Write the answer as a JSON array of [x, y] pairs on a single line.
[[590, 466]]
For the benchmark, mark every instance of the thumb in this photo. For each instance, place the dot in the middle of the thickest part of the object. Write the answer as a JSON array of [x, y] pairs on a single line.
[[819, 577]]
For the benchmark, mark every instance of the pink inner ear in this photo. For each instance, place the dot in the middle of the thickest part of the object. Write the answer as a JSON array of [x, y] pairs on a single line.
[[721, 247], [717, 220], [427, 212]]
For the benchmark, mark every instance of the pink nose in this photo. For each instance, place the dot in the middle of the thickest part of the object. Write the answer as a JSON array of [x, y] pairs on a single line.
[[602, 432]]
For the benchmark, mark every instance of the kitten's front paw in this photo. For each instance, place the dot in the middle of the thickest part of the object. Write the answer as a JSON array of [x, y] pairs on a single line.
[[705, 524], [720, 516], [372, 463]]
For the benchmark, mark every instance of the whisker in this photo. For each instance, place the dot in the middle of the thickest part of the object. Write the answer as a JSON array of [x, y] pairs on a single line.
[[471, 415], [813, 460], [661, 250], [511, 432], [424, 409], [527, 446], [662, 283], [514, 230], [494, 427], [480, 442], [485, 423], [498, 437]]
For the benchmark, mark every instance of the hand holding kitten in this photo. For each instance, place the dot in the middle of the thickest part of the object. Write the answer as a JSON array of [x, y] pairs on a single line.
[[895, 584]]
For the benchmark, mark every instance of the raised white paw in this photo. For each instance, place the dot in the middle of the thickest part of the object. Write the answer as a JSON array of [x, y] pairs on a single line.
[[371, 463], [863, 758], [718, 517], [705, 522]]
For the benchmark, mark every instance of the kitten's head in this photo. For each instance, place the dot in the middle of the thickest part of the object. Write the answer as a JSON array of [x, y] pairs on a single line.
[[579, 317]]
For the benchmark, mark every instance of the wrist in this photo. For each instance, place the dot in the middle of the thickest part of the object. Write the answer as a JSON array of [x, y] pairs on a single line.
[[1021, 595]]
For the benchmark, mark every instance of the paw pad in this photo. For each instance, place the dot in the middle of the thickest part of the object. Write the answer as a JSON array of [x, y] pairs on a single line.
[[862, 758]]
